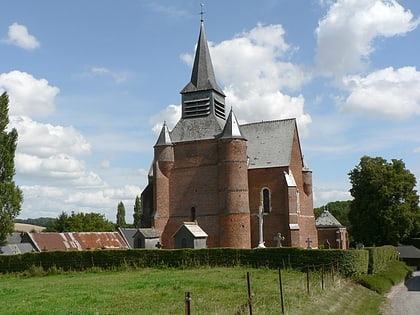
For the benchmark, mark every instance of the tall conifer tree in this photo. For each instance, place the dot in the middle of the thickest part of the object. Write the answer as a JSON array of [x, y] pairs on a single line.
[[137, 213], [121, 215], [10, 195]]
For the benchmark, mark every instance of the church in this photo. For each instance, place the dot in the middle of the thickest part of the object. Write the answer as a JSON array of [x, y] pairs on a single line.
[[243, 185]]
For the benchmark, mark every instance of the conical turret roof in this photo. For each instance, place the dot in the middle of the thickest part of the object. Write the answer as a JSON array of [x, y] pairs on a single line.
[[164, 136], [232, 129]]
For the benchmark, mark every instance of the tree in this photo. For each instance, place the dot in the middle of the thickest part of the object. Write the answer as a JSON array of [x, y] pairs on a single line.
[[10, 195], [137, 213], [385, 208], [121, 215], [81, 222]]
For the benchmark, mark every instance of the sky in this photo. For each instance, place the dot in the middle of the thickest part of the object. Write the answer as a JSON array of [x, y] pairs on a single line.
[[91, 82]]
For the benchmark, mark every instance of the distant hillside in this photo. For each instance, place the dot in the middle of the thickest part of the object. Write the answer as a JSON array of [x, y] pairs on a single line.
[[23, 227], [43, 221]]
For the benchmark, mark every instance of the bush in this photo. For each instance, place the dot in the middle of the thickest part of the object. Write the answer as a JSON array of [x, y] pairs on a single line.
[[394, 273]]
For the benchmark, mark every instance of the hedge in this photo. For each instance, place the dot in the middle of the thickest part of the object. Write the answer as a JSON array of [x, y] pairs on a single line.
[[348, 262], [380, 257]]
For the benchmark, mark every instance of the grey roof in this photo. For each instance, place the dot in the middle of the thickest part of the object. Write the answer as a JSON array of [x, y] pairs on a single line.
[[199, 128], [269, 143], [164, 136], [14, 238], [408, 251], [149, 232], [202, 77], [194, 229], [128, 235], [232, 129], [14, 249], [326, 219]]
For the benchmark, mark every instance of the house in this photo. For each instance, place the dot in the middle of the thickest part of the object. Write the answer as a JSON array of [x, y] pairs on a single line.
[[141, 238], [242, 183], [190, 235], [331, 233], [76, 241]]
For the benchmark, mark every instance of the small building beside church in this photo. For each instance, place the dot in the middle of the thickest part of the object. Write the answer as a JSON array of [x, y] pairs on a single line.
[[331, 233], [242, 184]]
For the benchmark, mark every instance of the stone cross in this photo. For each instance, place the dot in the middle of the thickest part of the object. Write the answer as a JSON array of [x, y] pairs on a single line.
[[279, 238], [308, 241], [261, 215]]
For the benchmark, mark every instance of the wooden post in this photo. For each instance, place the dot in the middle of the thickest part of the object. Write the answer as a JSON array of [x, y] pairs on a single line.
[[322, 278], [187, 303], [249, 293], [307, 279], [281, 292]]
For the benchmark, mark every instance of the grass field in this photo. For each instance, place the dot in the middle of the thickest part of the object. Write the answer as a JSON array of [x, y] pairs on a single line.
[[162, 291]]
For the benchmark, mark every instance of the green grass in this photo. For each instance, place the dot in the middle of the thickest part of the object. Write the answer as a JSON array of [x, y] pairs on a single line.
[[162, 291]]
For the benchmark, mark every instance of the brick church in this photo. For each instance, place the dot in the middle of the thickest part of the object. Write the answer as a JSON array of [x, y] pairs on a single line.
[[244, 185]]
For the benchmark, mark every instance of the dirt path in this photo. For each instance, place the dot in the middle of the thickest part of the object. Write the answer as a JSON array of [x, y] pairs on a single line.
[[404, 299]]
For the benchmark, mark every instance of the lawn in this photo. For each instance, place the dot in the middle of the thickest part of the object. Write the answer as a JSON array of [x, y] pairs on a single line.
[[162, 291]]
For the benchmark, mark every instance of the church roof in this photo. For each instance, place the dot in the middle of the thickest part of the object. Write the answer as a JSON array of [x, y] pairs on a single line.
[[269, 142], [326, 219], [199, 128], [202, 77]]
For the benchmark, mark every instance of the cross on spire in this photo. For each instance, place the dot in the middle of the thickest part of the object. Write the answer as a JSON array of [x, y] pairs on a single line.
[[202, 12]]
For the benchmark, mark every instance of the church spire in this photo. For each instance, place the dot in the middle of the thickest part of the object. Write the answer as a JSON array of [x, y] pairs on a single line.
[[202, 97], [202, 77]]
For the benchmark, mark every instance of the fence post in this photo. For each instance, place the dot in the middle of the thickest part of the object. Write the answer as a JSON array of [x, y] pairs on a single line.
[[249, 293], [322, 278], [307, 279], [187, 303], [281, 292]]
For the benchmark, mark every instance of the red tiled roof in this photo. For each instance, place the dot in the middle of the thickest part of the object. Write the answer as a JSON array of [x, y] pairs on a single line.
[[72, 241]]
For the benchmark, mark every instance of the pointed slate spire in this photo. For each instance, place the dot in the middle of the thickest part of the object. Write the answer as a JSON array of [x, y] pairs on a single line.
[[202, 77], [164, 136], [232, 129]]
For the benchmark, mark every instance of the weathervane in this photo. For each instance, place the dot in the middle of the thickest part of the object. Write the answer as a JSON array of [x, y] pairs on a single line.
[[202, 12]]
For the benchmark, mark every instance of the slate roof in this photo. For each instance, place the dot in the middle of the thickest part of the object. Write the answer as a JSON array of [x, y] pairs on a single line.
[[194, 229], [78, 241], [231, 129], [202, 77], [14, 238], [15, 249], [269, 142], [199, 128], [408, 251], [128, 235], [149, 233], [326, 219], [164, 136]]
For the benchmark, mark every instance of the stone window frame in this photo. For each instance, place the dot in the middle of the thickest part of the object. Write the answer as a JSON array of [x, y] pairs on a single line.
[[265, 198]]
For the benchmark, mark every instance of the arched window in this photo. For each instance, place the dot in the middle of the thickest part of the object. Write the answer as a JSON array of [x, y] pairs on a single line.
[[193, 215], [266, 200]]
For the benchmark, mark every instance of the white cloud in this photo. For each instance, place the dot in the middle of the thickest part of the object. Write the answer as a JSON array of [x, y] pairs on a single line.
[[324, 195], [170, 114], [117, 76], [45, 140], [18, 35], [28, 95], [254, 71], [391, 93], [416, 150], [345, 35]]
